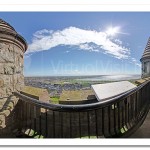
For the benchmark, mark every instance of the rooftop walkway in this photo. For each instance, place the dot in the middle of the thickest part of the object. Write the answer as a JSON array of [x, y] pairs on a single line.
[[144, 130]]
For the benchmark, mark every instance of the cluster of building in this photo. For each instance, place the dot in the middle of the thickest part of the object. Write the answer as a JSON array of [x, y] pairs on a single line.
[[55, 89]]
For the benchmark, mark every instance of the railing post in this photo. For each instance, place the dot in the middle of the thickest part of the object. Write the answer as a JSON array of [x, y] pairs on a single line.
[[115, 118]]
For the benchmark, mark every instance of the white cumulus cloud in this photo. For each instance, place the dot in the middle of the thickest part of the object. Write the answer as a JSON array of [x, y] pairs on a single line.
[[90, 40]]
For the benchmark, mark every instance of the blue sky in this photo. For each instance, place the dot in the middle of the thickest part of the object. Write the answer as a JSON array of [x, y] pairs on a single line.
[[81, 43]]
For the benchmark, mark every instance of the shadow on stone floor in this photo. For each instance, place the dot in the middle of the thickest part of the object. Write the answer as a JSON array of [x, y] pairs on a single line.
[[144, 130]]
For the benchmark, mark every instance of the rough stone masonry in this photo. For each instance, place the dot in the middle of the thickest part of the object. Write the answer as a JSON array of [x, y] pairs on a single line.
[[12, 48]]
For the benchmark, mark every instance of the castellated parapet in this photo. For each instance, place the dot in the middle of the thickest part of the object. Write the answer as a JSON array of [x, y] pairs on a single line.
[[12, 48]]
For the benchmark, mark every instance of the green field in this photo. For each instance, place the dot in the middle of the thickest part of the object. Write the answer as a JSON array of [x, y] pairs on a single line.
[[54, 100], [32, 90], [76, 95]]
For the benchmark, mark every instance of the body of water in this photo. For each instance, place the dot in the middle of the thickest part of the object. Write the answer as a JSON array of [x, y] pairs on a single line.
[[111, 78]]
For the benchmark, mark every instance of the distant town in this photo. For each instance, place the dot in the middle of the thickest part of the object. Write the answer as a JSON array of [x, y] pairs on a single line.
[[55, 85], [69, 87]]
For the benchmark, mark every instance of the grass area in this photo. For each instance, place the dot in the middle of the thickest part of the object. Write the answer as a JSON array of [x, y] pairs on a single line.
[[54, 100], [85, 84], [75, 95], [33, 90]]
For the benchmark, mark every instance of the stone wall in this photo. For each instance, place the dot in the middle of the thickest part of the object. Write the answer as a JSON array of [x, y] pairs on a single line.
[[11, 69], [145, 68], [12, 48]]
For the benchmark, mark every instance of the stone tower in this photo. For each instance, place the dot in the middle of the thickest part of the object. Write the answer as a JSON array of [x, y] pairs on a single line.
[[145, 60], [12, 48]]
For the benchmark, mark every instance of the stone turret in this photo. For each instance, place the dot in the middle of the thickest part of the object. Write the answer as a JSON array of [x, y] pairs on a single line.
[[145, 60], [12, 48]]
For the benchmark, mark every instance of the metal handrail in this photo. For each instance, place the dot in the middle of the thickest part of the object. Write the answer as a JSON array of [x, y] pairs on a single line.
[[117, 116], [81, 107]]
